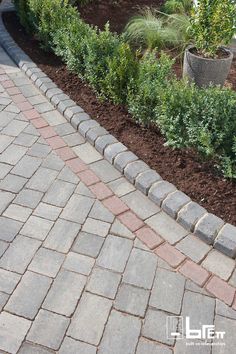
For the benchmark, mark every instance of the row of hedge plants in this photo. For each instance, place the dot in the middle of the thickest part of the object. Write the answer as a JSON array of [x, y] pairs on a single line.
[[204, 119]]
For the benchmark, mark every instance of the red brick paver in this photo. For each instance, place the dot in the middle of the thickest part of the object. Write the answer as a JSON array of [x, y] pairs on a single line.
[[56, 142], [18, 98], [47, 132], [101, 191], [170, 254], [115, 205], [7, 84], [76, 165], [65, 153], [194, 272], [149, 237], [39, 123], [88, 177], [131, 221], [24, 106], [221, 289], [32, 114], [13, 91]]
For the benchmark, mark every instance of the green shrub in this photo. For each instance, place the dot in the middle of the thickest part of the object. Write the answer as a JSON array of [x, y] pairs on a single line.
[[203, 119], [54, 15], [144, 94], [70, 44], [213, 24], [99, 49], [122, 69]]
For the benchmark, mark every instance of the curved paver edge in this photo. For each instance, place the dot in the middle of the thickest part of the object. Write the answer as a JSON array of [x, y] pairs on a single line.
[[208, 227]]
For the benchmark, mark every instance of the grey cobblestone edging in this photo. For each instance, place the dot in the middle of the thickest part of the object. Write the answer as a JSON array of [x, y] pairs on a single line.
[[211, 229]]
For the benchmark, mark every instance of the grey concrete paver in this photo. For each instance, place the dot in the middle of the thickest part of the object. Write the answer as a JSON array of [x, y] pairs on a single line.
[[19, 254], [17, 212], [70, 345], [93, 226], [121, 334], [167, 292], [48, 329], [53, 162], [65, 293], [90, 318], [27, 166], [77, 208], [39, 150], [79, 263], [115, 253], [28, 348], [12, 183], [88, 244], [37, 228], [42, 179], [157, 332], [5, 199], [47, 262], [62, 235], [140, 270], [132, 300], [59, 193], [12, 332], [8, 281], [13, 154], [199, 315], [29, 295], [104, 283], [28, 198], [9, 229], [47, 211]]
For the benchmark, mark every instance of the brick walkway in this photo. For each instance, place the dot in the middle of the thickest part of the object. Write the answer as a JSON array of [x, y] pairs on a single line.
[[75, 276]]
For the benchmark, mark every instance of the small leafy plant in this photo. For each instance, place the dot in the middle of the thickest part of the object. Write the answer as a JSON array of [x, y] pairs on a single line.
[[213, 24], [145, 91]]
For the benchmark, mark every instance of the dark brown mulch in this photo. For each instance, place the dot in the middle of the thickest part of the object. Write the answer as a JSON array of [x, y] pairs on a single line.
[[184, 168], [118, 12]]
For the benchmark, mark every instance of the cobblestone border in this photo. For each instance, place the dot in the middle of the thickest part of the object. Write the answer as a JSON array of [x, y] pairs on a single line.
[[194, 218]]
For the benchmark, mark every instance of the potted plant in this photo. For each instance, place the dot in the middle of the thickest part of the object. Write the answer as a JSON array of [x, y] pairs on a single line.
[[212, 26]]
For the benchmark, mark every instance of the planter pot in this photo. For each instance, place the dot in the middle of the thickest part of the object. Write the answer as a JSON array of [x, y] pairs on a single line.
[[204, 71]]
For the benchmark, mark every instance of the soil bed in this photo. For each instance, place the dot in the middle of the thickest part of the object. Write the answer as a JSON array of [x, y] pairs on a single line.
[[118, 13], [183, 168]]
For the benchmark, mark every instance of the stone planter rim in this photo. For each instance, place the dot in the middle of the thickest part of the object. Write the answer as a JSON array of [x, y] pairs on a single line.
[[230, 56]]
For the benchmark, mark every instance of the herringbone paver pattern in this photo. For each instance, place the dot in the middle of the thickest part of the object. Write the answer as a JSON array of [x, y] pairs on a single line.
[[77, 270]]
